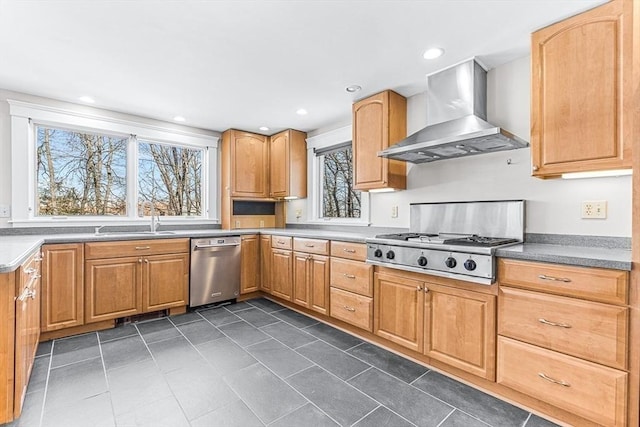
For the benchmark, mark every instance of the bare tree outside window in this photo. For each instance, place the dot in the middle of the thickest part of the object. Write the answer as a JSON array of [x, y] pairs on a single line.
[[339, 199], [80, 173], [170, 177]]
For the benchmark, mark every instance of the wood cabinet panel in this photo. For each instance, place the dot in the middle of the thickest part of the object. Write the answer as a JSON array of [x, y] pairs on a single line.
[[250, 264], [113, 288], [311, 246], [7, 345], [265, 263], [114, 249], [282, 242], [62, 286], [596, 284], [593, 331], [353, 276], [460, 329], [592, 391], [354, 251], [352, 308], [165, 282], [319, 267], [288, 164], [378, 121], [399, 308], [575, 128], [249, 165], [282, 273], [301, 278]]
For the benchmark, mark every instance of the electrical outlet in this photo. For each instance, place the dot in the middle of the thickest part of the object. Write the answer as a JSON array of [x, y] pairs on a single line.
[[261, 224], [594, 209], [298, 213], [394, 211], [5, 212], [237, 224]]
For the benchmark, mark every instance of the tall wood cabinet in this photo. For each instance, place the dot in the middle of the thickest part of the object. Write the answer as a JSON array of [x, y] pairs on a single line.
[[250, 264], [582, 84], [288, 164], [378, 122], [62, 286]]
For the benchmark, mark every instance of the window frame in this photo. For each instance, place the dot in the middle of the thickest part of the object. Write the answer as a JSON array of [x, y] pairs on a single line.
[[24, 195], [314, 213]]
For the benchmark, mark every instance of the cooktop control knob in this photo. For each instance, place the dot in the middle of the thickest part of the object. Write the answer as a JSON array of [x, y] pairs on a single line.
[[422, 261], [450, 262], [470, 264], [391, 255], [377, 253]]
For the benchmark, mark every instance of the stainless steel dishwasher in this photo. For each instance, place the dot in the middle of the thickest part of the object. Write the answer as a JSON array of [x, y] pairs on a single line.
[[215, 270]]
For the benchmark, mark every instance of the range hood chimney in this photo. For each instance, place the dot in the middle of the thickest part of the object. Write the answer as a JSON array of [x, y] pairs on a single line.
[[456, 120]]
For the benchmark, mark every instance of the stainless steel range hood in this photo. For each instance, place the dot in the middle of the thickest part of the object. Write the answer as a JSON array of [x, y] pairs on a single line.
[[456, 118]]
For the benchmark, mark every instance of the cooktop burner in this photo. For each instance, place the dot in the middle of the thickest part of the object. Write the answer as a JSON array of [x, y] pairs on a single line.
[[480, 241], [404, 236], [449, 239]]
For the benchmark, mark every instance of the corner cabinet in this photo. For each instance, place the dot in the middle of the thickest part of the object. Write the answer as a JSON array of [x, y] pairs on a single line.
[[582, 84], [288, 164], [245, 164], [378, 122]]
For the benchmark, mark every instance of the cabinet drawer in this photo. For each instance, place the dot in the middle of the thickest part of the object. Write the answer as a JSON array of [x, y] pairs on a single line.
[[592, 391], [312, 246], [595, 284], [134, 247], [281, 242], [593, 331], [354, 251], [354, 276], [352, 308]]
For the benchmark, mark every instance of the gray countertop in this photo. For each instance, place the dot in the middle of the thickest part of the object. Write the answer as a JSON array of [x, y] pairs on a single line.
[[618, 259], [15, 249]]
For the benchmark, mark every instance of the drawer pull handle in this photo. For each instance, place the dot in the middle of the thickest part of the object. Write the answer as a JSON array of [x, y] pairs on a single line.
[[351, 309], [560, 325], [309, 245], [142, 248], [31, 270], [552, 380], [349, 276], [351, 251], [555, 279], [280, 242]]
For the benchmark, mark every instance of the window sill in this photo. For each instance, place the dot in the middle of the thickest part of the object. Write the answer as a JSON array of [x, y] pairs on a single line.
[[336, 222], [96, 221]]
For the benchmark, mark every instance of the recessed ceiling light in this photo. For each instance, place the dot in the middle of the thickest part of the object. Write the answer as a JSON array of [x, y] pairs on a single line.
[[87, 99], [302, 112], [264, 128], [433, 53], [353, 88], [179, 119]]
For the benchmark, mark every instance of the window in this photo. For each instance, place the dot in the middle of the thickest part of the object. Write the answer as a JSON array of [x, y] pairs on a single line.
[[339, 198], [78, 166]]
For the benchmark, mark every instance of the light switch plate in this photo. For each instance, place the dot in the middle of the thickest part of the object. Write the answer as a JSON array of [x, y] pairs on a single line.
[[5, 211]]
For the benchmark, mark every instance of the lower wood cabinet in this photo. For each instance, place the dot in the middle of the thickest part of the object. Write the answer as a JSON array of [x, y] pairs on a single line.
[[250, 264], [62, 286], [265, 263], [165, 281], [282, 273], [311, 281], [352, 308]]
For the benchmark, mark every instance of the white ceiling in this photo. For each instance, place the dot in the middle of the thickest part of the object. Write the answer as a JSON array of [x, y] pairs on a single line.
[[246, 64]]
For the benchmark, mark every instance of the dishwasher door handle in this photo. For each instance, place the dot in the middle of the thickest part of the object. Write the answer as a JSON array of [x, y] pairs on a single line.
[[221, 245]]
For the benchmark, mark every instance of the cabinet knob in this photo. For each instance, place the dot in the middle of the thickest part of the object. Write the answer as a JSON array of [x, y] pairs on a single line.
[[535, 168], [139, 260], [419, 289]]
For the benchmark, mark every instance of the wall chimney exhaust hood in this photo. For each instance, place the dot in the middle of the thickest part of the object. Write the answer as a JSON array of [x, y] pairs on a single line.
[[456, 118]]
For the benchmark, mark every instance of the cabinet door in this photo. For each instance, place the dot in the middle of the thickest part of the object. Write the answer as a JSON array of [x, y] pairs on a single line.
[[301, 273], [279, 161], [581, 76], [62, 286], [8, 308], [265, 263], [378, 121], [282, 273], [165, 282], [250, 165], [250, 264], [398, 312], [460, 329], [113, 288], [319, 284]]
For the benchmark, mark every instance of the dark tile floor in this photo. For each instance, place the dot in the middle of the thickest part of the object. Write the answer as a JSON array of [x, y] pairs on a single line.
[[254, 363]]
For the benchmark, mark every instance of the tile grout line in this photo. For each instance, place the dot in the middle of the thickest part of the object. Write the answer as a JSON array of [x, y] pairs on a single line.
[[46, 384], [527, 420], [445, 418], [106, 379], [366, 415]]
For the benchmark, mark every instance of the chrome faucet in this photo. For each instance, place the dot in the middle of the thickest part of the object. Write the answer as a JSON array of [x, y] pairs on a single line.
[[97, 230], [155, 219]]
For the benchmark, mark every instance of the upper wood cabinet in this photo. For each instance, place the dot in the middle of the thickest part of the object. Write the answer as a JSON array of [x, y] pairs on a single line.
[[378, 122], [245, 164], [288, 164], [62, 286], [582, 86]]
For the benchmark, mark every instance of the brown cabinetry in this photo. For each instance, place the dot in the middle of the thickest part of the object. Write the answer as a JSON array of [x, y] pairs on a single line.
[[282, 272], [265, 263], [246, 155], [311, 274], [139, 276], [288, 164], [582, 85], [378, 122], [250, 264], [62, 286], [558, 341]]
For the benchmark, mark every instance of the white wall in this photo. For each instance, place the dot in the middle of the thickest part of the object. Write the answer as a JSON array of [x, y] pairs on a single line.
[[5, 135], [553, 206]]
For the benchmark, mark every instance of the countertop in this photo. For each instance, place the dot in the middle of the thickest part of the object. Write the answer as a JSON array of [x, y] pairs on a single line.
[[15, 249]]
